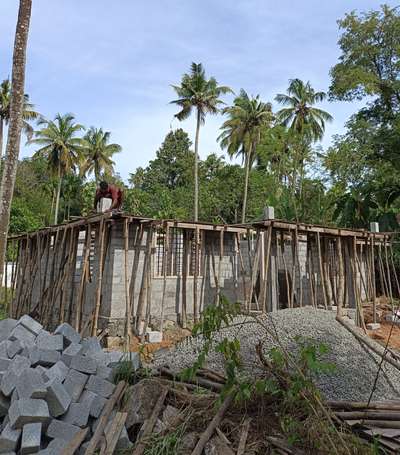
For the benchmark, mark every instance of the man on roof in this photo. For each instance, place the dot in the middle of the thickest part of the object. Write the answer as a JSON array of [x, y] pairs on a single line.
[[108, 191]]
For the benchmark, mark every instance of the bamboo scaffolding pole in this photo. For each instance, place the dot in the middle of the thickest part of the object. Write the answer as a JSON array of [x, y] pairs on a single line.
[[357, 295], [221, 254], [66, 277], [99, 278], [242, 270], [128, 328], [321, 270], [185, 273], [195, 275], [254, 270], [149, 276], [24, 252], [296, 239], [373, 279], [325, 266], [340, 294], [267, 260], [293, 245], [288, 292], [82, 281], [310, 265], [137, 251], [384, 284], [394, 270], [6, 278], [165, 265], [388, 272]]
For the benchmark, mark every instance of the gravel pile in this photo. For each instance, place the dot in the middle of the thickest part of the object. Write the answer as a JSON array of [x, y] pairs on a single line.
[[52, 385], [356, 366]]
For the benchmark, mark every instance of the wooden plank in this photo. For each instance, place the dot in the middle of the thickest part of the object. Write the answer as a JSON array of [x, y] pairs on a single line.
[[114, 433], [75, 443]]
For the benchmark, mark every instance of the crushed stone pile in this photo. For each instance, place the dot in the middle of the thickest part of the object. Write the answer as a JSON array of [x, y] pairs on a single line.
[[51, 386], [355, 365]]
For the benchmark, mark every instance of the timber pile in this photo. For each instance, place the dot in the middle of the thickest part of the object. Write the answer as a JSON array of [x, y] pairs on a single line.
[[379, 420]]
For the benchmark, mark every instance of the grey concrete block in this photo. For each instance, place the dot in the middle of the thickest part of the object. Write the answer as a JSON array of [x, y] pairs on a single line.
[[28, 410], [57, 371], [13, 348], [100, 357], [114, 357], [8, 382], [18, 364], [74, 384], [61, 430], [48, 341], [31, 436], [77, 414], [91, 344], [54, 448], [25, 336], [84, 364], [105, 373], [9, 439], [3, 348], [44, 357], [71, 351], [4, 364], [58, 399], [6, 327], [4, 405], [95, 403], [30, 384], [69, 333], [100, 386], [30, 324]]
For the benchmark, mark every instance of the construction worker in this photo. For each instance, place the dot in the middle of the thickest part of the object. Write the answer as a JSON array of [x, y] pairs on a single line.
[[108, 191]]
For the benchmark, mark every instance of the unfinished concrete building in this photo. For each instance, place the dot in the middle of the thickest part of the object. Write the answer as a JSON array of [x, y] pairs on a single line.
[[118, 271]]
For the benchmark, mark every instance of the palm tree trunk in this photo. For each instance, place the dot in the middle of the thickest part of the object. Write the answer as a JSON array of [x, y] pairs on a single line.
[[58, 195], [246, 182], [1, 137], [196, 169], [15, 124]]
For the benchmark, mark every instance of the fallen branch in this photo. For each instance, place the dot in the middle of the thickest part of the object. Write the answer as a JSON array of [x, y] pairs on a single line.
[[243, 437], [149, 425], [212, 425], [199, 382], [352, 405]]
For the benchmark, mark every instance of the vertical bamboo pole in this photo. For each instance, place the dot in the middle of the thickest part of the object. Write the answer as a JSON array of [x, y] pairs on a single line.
[[185, 273], [340, 293], [293, 244], [254, 270], [128, 328], [165, 268], [221, 253], [84, 267], [145, 280], [394, 270], [373, 278], [321, 270], [149, 276], [311, 271], [288, 288], [388, 270], [267, 260], [6, 278], [99, 278], [357, 296], [296, 239], [242, 270], [195, 275]]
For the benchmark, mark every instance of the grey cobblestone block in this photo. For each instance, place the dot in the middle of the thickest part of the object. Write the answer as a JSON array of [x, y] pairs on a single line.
[[44, 357], [100, 386], [8, 382], [58, 371], [30, 324], [25, 336], [61, 430], [9, 439], [77, 414], [58, 399], [4, 364], [91, 344], [47, 341], [19, 363], [30, 384], [6, 327], [75, 383], [71, 351], [31, 435], [4, 405], [13, 348], [54, 448], [3, 348], [69, 333], [105, 373], [83, 364], [28, 411], [95, 403]]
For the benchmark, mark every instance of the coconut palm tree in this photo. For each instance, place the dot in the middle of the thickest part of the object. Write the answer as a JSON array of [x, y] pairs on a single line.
[[198, 93], [28, 112], [15, 124], [97, 153], [60, 147], [301, 116], [241, 133]]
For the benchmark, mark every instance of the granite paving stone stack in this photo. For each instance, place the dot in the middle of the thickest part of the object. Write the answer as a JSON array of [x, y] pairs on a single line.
[[51, 386]]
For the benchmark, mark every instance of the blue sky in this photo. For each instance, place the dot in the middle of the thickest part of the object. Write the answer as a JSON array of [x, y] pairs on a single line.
[[111, 63]]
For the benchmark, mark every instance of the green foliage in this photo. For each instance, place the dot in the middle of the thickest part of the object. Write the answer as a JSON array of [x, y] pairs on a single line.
[[168, 444]]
